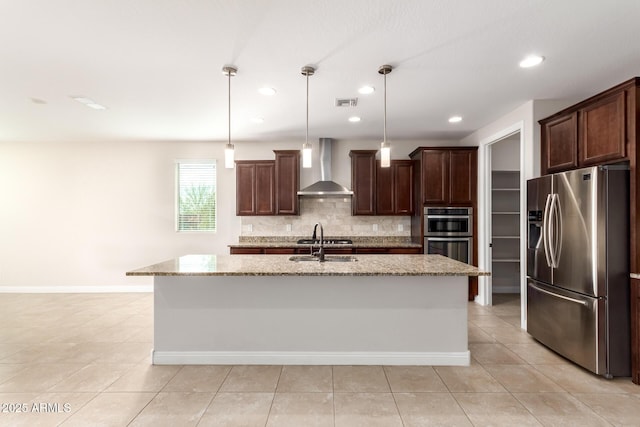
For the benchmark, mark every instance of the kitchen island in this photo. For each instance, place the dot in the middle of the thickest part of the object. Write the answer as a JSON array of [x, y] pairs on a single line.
[[255, 309]]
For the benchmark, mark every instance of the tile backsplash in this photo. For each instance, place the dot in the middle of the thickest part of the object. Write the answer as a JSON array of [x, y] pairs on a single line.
[[335, 216]]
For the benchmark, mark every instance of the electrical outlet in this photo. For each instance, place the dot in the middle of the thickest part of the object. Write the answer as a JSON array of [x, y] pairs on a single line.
[[375, 227], [288, 227], [400, 227], [249, 228]]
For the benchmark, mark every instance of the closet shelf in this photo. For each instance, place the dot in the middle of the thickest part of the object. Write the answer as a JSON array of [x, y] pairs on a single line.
[[505, 229]]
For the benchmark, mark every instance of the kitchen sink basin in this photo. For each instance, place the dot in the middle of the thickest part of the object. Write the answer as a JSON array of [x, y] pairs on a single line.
[[327, 258]]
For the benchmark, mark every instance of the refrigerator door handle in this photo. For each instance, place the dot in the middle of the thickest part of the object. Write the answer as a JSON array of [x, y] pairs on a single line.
[[577, 301], [554, 230], [558, 231], [545, 230]]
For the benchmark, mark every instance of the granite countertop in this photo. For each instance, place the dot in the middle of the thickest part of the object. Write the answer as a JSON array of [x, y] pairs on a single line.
[[358, 242], [280, 265]]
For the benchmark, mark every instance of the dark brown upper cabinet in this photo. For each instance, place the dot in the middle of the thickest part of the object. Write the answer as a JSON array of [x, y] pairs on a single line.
[[287, 182], [593, 132], [602, 131], [378, 190], [255, 187], [394, 188], [560, 143], [363, 182], [268, 187], [448, 175]]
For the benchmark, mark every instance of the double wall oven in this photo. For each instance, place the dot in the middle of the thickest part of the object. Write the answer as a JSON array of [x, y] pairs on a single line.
[[449, 232]]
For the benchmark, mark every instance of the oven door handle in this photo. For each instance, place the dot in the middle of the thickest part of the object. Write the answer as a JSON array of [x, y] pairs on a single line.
[[448, 216], [449, 239]]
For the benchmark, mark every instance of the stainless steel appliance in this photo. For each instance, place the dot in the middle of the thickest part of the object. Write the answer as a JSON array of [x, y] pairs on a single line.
[[449, 232], [578, 266]]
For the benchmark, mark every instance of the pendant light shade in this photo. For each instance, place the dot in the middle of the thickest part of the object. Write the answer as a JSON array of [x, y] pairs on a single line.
[[385, 154], [306, 147], [229, 151], [229, 156], [385, 147], [306, 155]]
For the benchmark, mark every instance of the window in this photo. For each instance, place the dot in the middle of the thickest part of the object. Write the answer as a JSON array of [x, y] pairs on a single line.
[[196, 198]]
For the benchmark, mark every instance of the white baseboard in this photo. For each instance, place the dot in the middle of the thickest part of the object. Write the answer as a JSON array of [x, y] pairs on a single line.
[[74, 289], [461, 358]]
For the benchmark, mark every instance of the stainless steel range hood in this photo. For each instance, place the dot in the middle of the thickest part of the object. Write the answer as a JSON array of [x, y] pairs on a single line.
[[325, 187]]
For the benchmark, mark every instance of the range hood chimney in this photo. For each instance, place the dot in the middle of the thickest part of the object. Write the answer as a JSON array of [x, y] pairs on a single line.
[[325, 187]]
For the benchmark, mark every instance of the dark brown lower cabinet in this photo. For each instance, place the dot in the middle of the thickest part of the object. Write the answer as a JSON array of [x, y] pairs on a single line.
[[246, 251], [635, 331], [473, 288], [388, 251], [280, 251]]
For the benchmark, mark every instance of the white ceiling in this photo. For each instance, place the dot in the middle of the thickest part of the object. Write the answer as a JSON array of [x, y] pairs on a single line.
[[156, 65]]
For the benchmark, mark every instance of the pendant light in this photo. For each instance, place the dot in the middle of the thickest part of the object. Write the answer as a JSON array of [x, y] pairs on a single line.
[[306, 147], [229, 71], [385, 147]]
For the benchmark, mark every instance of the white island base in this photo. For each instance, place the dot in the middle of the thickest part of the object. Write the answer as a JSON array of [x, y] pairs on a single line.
[[311, 320]]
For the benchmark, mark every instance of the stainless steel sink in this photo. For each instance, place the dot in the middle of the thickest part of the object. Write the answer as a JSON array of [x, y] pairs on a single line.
[[327, 258]]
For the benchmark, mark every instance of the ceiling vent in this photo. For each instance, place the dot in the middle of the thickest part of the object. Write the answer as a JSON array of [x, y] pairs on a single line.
[[346, 102]]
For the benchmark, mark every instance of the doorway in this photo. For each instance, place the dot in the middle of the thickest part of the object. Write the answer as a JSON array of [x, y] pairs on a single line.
[[505, 236]]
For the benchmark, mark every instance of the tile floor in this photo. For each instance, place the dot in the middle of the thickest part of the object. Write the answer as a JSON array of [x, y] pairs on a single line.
[[84, 360]]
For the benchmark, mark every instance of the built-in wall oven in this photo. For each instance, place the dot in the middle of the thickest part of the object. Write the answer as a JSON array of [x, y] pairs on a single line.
[[449, 232]]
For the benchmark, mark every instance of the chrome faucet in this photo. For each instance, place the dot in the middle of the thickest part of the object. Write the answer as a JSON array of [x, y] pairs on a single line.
[[320, 252]]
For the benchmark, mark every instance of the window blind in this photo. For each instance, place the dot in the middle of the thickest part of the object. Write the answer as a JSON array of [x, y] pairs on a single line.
[[196, 196]]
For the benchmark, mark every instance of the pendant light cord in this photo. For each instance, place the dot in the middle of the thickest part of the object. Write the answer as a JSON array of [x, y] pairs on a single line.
[[229, 104], [385, 107], [306, 138]]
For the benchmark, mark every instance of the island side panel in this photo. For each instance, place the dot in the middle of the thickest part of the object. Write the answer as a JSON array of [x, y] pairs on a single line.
[[409, 320]]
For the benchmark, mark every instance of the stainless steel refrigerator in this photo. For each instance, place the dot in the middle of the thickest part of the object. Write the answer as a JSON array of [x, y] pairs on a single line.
[[578, 266]]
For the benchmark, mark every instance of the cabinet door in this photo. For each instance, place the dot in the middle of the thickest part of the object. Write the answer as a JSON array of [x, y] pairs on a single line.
[[635, 331], [363, 181], [394, 188], [559, 149], [245, 189], [403, 187], [463, 177], [255, 188], [435, 177], [265, 188], [287, 182], [280, 251], [385, 190], [246, 251], [602, 131]]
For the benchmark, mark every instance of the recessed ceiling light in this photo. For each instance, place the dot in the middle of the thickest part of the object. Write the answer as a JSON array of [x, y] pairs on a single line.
[[531, 61], [267, 91], [89, 102], [354, 119], [257, 120], [366, 90], [455, 119]]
